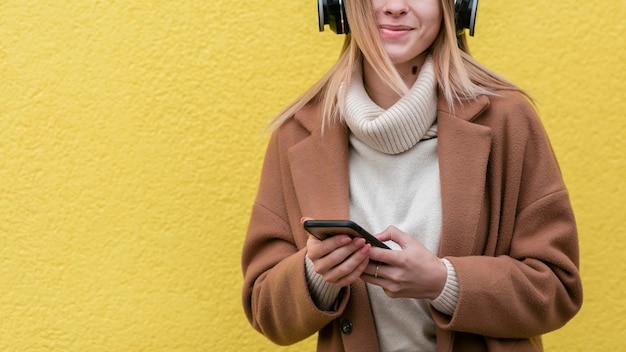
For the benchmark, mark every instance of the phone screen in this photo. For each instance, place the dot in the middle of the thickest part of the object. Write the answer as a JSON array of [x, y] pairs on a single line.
[[322, 229]]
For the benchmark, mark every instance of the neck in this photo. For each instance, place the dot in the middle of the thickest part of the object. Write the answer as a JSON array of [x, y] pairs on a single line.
[[379, 91]]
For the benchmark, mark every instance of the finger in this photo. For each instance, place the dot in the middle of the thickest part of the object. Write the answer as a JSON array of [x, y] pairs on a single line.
[[385, 256], [394, 234], [374, 274], [355, 274], [317, 248], [350, 269], [370, 279], [373, 267], [337, 256]]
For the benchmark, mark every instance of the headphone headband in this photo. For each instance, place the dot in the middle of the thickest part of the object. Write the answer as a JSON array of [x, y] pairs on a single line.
[[333, 14]]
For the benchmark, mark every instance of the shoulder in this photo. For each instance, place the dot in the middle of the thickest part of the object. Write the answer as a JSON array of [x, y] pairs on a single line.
[[508, 106]]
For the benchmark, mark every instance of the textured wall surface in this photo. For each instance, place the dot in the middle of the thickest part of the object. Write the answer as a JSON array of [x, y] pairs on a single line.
[[131, 145]]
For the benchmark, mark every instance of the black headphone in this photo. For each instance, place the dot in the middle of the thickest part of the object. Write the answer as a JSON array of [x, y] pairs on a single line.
[[333, 14]]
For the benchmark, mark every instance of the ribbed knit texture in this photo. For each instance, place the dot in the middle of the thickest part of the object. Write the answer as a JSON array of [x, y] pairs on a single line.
[[403, 125], [449, 297], [324, 294]]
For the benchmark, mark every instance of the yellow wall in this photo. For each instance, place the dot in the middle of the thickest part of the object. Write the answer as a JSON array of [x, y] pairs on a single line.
[[130, 148]]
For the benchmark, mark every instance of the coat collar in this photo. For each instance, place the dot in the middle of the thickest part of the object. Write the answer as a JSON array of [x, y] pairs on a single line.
[[319, 167]]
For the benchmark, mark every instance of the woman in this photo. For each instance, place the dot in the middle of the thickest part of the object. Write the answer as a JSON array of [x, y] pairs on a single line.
[[410, 137]]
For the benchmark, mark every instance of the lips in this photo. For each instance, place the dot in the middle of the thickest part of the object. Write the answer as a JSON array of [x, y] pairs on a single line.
[[393, 31]]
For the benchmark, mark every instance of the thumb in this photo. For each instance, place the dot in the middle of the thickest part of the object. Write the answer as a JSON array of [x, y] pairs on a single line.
[[396, 235]]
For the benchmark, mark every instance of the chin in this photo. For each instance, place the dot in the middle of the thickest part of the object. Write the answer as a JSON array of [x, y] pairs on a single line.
[[401, 60], [399, 57]]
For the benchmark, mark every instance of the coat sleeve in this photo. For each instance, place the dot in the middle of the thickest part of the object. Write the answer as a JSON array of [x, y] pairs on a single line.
[[530, 284], [275, 294]]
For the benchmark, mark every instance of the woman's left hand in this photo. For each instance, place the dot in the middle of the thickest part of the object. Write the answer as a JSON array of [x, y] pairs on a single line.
[[413, 271]]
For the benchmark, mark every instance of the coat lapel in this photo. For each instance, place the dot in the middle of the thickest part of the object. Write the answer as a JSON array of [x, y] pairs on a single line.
[[319, 166], [463, 157]]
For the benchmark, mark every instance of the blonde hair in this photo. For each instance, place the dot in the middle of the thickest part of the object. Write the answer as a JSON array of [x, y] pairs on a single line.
[[459, 77]]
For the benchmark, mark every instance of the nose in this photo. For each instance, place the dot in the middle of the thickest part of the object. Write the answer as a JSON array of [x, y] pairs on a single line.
[[395, 8]]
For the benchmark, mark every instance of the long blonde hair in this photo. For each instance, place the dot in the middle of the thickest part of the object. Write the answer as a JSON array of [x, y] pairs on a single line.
[[459, 77]]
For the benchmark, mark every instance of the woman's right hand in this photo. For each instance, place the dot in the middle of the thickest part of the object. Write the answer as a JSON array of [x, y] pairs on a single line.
[[340, 259]]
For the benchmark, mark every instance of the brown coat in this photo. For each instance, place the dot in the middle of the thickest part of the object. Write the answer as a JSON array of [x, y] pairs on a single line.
[[508, 229]]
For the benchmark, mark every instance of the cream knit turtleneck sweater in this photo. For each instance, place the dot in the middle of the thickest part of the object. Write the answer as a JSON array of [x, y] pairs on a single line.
[[394, 180]]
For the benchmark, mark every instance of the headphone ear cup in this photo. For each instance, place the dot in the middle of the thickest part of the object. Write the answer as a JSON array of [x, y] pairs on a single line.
[[465, 15], [333, 14]]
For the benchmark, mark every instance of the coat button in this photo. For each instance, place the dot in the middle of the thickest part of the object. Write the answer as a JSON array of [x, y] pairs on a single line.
[[346, 327]]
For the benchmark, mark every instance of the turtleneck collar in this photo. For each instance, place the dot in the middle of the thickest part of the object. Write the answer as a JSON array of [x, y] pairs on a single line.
[[404, 124]]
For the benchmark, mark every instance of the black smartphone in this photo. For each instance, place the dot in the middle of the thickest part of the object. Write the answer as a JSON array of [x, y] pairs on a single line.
[[324, 228]]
